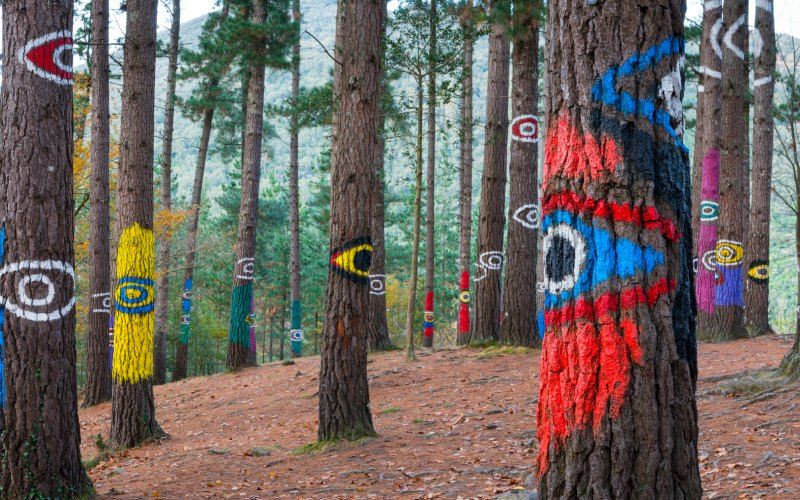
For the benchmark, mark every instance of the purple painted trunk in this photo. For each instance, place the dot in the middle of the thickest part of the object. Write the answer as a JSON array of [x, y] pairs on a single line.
[[707, 272]]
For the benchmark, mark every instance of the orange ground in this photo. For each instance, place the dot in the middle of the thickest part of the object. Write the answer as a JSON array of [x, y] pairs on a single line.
[[453, 424]]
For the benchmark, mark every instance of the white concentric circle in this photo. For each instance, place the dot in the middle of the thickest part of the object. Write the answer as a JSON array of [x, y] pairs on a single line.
[[574, 238]]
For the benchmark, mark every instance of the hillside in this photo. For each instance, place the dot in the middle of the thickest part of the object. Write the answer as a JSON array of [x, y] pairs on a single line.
[[456, 423]]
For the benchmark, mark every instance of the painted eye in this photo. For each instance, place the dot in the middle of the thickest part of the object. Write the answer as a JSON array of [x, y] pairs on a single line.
[[572, 265], [352, 260], [463, 296], [245, 268], [759, 271], [135, 295], [101, 303], [492, 261], [709, 211], [525, 128], [296, 335], [43, 291], [528, 216], [377, 284], [185, 319], [729, 253], [709, 260], [695, 263], [45, 56]]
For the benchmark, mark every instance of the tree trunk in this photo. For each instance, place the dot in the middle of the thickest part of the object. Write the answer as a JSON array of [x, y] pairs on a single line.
[[705, 200], [757, 298], [486, 324], [790, 365], [41, 439], [378, 330], [343, 391], [239, 333], [132, 409], [98, 367], [283, 321], [619, 346], [728, 322], [296, 332], [711, 14], [162, 295], [412, 286], [519, 294], [430, 179], [465, 181]]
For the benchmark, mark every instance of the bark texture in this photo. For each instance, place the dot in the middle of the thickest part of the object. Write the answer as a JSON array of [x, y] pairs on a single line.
[[728, 322], [343, 393], [296, 333], [41, 439], [519, 293], [465, 181], [412, 287], [430, 185], [132, 408], [98, 367], [705, 199], [162, 295], [239, 345], [616, 409], [491, 221], [757, 291]]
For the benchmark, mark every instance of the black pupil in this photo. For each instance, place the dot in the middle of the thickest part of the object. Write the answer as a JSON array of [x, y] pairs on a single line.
[[560, 259], [362, 260]]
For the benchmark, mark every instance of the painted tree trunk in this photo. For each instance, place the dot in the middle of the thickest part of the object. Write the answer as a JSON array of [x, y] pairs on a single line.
[[706, 200], [465, 182], [41, 439], [728, 322], [343, 391], [98, 368], [430, 184], [162, 295], [296, 331], [757, 291], [619, 347], [711, 14], [378, 329], [239, 346], [519, 293], [132, 409], [412, 287], [489, 266]]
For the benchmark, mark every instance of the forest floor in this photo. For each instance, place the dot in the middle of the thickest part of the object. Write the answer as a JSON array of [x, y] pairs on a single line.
[[456, 423]]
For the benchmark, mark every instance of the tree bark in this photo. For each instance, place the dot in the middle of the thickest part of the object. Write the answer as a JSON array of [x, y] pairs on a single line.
[[412, 287], [98, 367], [790, 365], [162, 297], [239, 346], [132, 408], [519, 294], [41, 439], [343, 392], [296, 333], [486, 324], [465, 181], [619, 347], [430, 184], [728, 322], [705, 200], [757, 298], [378, 330]]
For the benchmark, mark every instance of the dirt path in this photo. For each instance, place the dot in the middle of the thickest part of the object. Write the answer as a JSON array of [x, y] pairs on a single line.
[[457, 423]]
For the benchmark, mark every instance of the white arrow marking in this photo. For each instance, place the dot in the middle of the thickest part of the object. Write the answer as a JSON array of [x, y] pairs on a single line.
[[764, 4], [729, 36], [715, 29]]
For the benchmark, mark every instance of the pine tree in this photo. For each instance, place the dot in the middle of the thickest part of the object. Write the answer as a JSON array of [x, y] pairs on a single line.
[[757, 292], [343, 391], [296, 332], [132, 408], [619, 351], [162, 287], [728, 321], [491, 219], [98, 367], [41, 437], [430, 181], [518, 326]]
